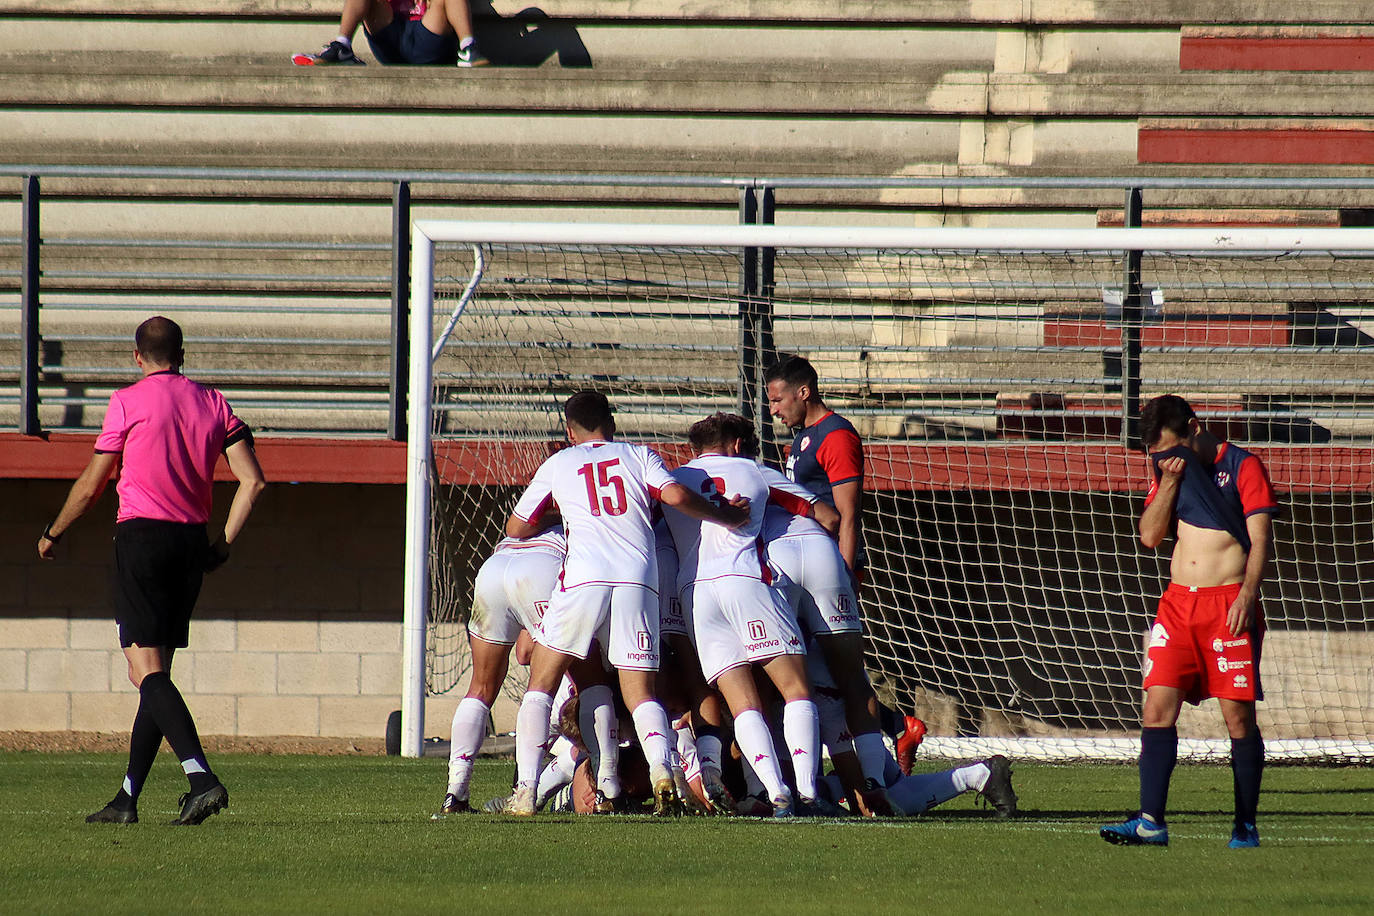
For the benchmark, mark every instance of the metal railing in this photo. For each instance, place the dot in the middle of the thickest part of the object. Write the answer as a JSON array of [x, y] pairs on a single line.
[[78, 291]]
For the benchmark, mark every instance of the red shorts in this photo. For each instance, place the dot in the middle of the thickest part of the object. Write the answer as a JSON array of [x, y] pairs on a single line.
[[1191, 648]]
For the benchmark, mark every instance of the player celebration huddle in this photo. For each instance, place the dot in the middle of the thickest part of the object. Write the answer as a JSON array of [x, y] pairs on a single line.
[[693, 635]]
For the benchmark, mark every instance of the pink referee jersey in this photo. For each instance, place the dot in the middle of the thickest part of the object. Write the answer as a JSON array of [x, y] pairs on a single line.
[[605, 492], [170, 431]]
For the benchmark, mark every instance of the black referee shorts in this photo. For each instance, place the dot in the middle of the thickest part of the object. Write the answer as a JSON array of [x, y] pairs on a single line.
[[158, 571]]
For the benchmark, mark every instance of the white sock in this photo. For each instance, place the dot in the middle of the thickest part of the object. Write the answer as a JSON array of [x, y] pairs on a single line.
[[560, 770], [802, 726], [600, 727], [653, 728], [345, 41], [469, 728], [531, 735], [872, 755], [709, 752], [751, 732], [687, 754], [974, 776], [466, 43]]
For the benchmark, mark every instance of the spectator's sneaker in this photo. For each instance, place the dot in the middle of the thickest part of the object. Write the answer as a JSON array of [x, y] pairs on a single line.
[[721, 799], [196, 807], [908, 742], [496, 805], [874, 798], [113, 814], [666, 800], [521, 803], [336, 52], [997, 790], [452, 805], [471, 57], [1138, 831], [1244, 836]]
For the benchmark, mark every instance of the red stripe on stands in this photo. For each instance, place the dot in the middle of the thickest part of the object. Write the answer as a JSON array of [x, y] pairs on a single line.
[[1273, 146], [1032, 465], [1256, 52], [62, 456], [1214, 331]]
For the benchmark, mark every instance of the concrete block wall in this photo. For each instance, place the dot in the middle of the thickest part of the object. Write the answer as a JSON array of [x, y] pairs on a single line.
[[299, 635]]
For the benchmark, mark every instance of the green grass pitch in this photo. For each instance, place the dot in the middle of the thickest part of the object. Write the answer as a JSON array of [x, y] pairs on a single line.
[[353, 835]]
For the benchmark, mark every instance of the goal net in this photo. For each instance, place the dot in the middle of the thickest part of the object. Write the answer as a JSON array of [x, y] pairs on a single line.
[[994, 376]]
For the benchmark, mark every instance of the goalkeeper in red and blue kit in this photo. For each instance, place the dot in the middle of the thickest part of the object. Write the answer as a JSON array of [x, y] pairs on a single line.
[[1216, 499]]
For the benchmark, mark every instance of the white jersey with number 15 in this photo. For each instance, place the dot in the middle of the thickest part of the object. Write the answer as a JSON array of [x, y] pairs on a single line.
[[605, 492]]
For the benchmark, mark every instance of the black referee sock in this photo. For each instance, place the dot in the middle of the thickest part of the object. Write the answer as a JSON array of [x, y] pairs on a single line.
[[1247, 767], [1158, 754], [168, 710], [145, 738]]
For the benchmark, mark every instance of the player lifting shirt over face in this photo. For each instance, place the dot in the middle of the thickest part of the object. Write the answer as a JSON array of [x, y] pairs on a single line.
[[1205, 641]]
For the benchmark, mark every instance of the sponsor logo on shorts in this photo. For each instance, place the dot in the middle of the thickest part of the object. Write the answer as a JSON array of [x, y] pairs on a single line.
[[1240, 681], [765, 644], [844, 605], [642, 657], [1149, 666], [646, 642], [1218, 644], [540, 608], [793, 641], [757, 630], [845, 736], [1225, 665], [1158, 636], [844, 618]]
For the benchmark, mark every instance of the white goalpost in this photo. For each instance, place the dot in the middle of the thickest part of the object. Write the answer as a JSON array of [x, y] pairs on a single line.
[[994, 375]]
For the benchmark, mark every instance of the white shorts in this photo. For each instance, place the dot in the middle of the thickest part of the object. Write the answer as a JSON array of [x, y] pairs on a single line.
[[512, 593], [624, 618], [739, 620], [671, 620], [817, 585]]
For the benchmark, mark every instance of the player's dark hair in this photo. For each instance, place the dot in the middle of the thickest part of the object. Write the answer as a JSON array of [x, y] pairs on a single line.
[[719, 428], [159, 341], [794, 371], [589, 410], [1166, 412]]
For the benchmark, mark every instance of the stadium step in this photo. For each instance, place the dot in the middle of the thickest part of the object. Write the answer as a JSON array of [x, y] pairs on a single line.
[[1272, 141]]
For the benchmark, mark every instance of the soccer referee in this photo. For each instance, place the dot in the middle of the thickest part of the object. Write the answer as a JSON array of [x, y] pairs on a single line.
[[169, 432]]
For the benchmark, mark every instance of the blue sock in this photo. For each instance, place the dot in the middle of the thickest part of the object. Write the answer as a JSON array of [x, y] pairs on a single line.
[[1158, 754], [1247, 766]]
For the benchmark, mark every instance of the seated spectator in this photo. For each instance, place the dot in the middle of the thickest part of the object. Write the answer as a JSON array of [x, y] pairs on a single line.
[[403, 32]]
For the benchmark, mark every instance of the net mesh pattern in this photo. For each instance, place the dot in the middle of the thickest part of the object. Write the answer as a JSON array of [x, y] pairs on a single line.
[[1006, 591]]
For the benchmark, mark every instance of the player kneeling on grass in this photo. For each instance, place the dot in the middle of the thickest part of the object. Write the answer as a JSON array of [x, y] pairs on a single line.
[[1206, 639], [607, 591], [509, 596], [737, 617]]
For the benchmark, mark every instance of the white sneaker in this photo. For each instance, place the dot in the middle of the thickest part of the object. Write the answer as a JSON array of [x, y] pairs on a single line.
[[521, 803], [470, 57]]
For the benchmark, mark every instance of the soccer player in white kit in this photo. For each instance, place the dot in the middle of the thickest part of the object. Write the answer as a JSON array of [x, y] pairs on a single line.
[[510, 594], [737, 617], [608, 588]]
